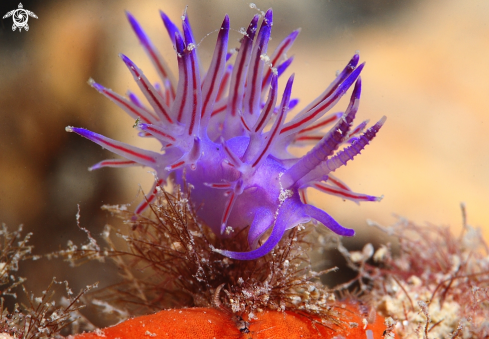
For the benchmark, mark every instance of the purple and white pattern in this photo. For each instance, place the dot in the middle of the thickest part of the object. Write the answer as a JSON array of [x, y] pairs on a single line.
[[225, 131]]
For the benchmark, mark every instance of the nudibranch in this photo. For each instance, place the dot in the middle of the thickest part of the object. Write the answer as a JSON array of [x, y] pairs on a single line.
[[225, 132]]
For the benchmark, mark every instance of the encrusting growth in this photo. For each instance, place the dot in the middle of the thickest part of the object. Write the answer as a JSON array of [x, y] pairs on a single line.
[[225, 132], [436, 286], [205, 323]]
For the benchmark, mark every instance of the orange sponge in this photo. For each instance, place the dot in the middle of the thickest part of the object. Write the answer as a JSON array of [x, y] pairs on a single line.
[[208, 323]]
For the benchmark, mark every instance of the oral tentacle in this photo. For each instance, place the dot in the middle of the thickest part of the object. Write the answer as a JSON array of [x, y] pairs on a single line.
[[288, 215], [328, 221], [267, 247], [262, 221]]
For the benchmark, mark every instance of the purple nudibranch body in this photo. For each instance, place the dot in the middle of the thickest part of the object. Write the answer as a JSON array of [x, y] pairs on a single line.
[[226, 133]]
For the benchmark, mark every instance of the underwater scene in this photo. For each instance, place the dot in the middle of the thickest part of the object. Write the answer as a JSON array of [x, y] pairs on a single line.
[[228, 169]]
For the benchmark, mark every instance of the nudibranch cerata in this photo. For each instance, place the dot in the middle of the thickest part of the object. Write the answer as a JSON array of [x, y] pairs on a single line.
[[225, 132]]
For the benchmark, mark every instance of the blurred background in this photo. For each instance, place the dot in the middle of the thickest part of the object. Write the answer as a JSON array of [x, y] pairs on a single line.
[[426, 71]]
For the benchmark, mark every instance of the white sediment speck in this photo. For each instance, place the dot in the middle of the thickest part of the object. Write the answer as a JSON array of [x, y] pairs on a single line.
[[99, 332]]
